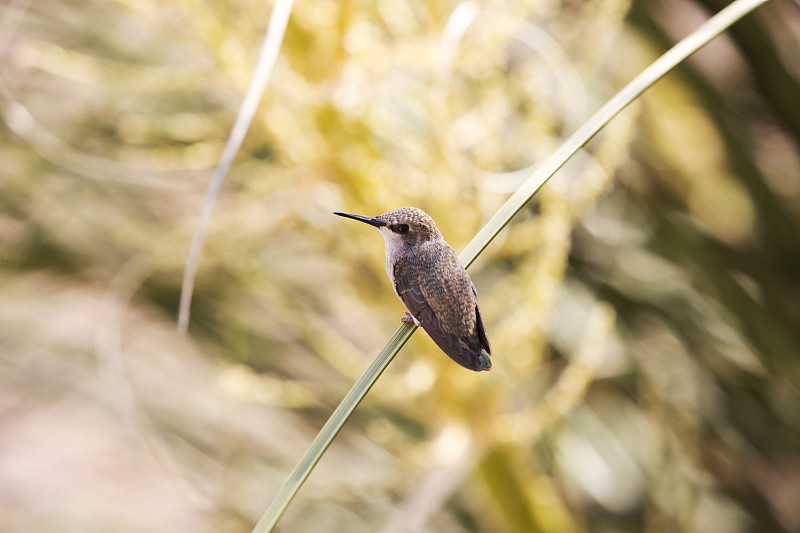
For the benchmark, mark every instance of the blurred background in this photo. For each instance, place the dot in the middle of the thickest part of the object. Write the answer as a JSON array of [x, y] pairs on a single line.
[[644, 308]]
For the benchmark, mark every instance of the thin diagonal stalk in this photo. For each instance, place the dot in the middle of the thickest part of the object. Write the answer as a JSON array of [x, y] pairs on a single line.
[[655, 71], [278, 20], [708, 31], [332, 427]]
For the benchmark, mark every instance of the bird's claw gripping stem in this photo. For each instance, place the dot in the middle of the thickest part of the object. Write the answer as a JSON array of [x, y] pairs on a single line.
[[408, 318]]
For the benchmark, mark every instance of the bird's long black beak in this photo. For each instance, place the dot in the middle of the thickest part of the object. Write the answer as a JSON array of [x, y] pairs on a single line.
[[372, 221]]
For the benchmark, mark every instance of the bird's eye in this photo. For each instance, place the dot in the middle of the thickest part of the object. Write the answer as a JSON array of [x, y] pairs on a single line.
[[401, 228]]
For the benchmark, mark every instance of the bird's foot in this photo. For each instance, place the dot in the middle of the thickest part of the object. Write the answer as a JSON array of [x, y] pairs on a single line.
[[408, 318]]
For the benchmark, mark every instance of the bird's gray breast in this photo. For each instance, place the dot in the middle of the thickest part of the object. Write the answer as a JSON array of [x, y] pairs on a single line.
[[395, 250]]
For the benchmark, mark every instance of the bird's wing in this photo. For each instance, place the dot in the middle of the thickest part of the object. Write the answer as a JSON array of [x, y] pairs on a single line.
[[412, 294], [484, 340]]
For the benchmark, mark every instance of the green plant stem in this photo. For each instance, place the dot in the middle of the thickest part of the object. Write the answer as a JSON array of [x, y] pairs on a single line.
[[705, 33], [655, 71], [332, 427]]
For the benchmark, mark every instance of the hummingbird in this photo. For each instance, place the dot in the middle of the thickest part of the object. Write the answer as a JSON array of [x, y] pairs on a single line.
[[432, 284]]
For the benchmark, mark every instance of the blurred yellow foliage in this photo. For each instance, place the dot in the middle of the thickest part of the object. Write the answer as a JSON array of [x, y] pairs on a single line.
[[642, 310]]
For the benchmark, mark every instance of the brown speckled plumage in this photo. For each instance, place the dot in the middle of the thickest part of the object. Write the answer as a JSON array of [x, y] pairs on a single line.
[[432, 284]]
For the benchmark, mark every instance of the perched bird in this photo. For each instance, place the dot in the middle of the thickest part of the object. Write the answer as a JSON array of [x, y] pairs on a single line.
[[433, 286]]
